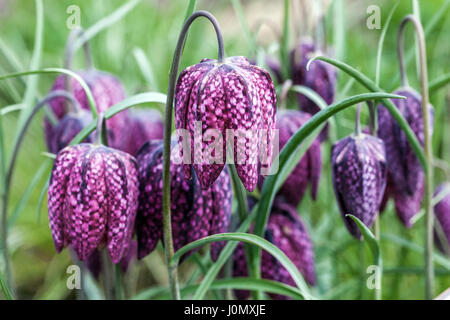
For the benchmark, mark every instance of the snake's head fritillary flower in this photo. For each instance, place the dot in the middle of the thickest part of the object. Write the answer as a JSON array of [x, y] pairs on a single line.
[[321, 77], [403, 165], [196, 212], [307, 172], [92, 199], [143, 125], [358, 165], [217, 102], [66, 129], [286, 231], [442, 213], [106, 90], [408, 205]]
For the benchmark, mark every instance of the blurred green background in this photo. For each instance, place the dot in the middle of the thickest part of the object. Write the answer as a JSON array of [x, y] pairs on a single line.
[[153, 26]]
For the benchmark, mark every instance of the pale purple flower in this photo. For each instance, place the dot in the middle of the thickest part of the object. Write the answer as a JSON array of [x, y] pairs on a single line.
[[92, 199], [196, 212], [286, 231], [142, 125], [307, 172], [106, 90], [358, 167], [442, 213], [232, 94]]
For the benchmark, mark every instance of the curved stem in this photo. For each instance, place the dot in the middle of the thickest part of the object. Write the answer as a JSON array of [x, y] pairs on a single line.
[[101, 136], [429, 271], [358, 130], [74, 34], [401, 62], [167, 223], [9, 173], [287, 85]]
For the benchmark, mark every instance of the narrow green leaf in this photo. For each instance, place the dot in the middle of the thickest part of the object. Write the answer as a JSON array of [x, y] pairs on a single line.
[[5, 289], [339, 23], [310, 94], [239, 283], [41, 199], [190, 9], [244, 26], [11, 108], [253, 240], [146, 68], [381, 43], [104, 23], [124, 104], [369, 84], [285, 59], [438, 83], [83, 84], [222, 259]]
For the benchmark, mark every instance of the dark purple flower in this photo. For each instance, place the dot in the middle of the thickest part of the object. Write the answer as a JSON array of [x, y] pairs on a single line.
[[232, 94], [408, 205], [321, 77], [442, 213], [67, 129], [307, 172], [358, 166], [275, 67], [196, 212], [92, 199], [106, 90], [143, 125], [402, 163], [286, 231]]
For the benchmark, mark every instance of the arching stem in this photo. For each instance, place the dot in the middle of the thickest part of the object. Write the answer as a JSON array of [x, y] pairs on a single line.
[[287, 85], [358, 129], [9, 173], [429, 270], [167, 223], [401, 60]]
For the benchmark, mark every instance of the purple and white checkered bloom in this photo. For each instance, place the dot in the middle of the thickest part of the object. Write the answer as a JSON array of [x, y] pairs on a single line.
[[286, 231], [143, 125], [307, 172], [68, 128], [442, 213], [228, 97], [358, 167], [92, 199], [196, 212], [106, 90], [321, 77]]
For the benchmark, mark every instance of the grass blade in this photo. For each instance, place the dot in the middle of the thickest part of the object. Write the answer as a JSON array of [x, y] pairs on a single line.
[[256, 241], [190, 9], [104, 23], [438, 83], [146, 68], [244, 26], [5, 289]]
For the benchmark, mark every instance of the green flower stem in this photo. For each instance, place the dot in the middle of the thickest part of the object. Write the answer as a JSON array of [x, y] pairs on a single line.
[[8, 177], [167, 226], [420, 36]]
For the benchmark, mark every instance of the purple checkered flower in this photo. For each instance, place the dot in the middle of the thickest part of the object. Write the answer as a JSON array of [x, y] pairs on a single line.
[[307, 172], [196, 212], [402, 163], [232, 94], [92, 200], [67, 129], [321, 77], [358, 165], [286, 231], [405, 172], [106, 90], [143, 125], [442, 213]]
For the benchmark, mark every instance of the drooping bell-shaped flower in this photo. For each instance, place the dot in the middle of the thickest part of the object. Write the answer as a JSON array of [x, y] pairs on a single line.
[[220, 102], [143, 125], [196, 212], [92, 199], [286, 231], [358, 167], [405, 172], [307, 172], [67, 129], [442, 213], [321, 77], [106, 90]]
